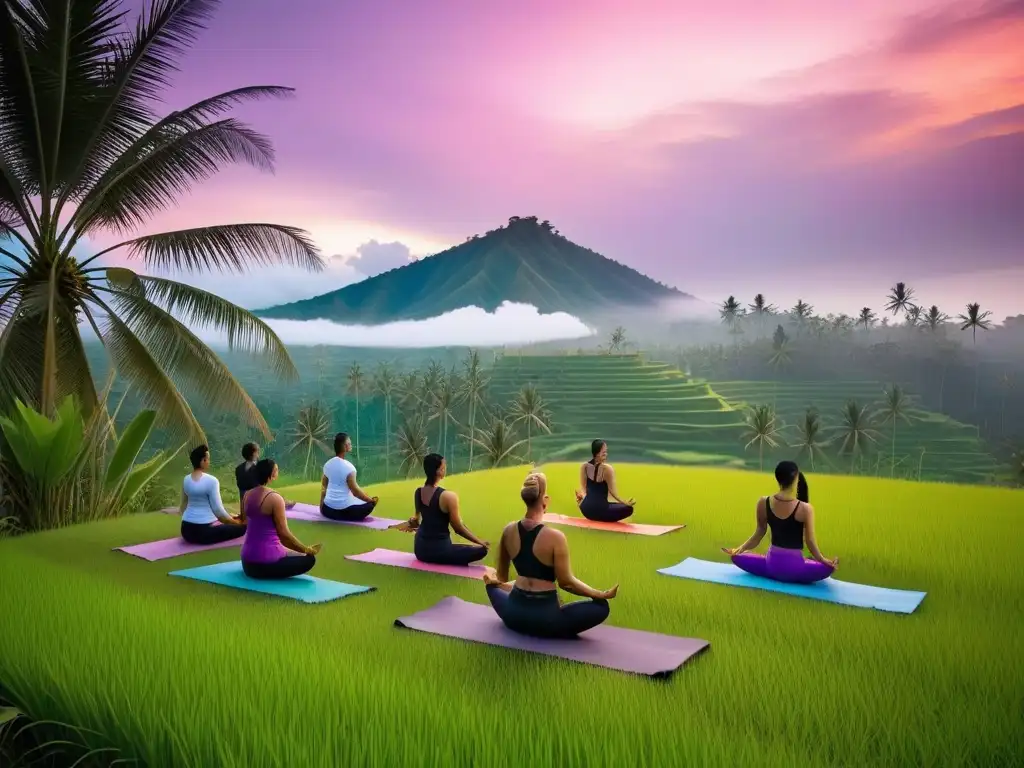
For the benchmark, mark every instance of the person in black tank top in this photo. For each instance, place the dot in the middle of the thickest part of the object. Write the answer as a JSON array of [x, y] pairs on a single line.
[[436, 509], [790, 525], [530, 605], [597, 483]]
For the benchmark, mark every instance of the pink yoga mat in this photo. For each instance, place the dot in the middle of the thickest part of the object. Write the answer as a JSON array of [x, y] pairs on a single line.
[[310, 514], [627, 650], [165, 548], [638, 528], [408, 560]]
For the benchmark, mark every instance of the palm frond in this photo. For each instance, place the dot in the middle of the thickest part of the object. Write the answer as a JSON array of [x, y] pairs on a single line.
[[176, 349], [137, 366], [226, 247], [52, 56], [201, 309], [134, 189], [138, 68]]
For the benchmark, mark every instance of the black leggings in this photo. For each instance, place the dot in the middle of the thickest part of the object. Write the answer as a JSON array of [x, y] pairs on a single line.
[[539, 614], [286, 567], [205, 534], [604, 512], [352, 514], [444, 552]]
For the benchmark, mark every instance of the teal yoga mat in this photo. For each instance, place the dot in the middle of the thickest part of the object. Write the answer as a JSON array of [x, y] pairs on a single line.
[[307, 589], [829, 590]]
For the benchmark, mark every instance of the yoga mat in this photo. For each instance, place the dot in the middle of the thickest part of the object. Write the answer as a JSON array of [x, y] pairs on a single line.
[[829, 590], [305, 588], [627, 650], [311, 514], [165, 548], [639, 528], [408, 560]]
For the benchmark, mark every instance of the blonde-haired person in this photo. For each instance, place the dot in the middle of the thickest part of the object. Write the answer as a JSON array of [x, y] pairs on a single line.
[[530, 604]]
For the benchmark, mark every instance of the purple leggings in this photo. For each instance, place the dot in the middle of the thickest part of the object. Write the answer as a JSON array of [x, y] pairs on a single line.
[[783, 565]]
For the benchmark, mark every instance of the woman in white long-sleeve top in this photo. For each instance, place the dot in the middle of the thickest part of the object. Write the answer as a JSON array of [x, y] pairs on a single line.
[[201, 506]]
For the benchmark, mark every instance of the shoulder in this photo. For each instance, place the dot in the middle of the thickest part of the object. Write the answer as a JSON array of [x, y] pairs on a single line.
[[553, 534], [331, 462], [806, 508], [210, 480], [348, 465]]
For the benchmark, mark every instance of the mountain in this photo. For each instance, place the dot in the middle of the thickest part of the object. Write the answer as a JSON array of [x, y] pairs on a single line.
[[524, 262]]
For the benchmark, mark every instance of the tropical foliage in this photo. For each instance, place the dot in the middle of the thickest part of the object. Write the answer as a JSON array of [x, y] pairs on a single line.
[[84, 152], [68, 468]]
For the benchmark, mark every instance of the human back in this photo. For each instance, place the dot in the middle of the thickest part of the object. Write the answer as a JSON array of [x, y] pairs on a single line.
[[262, 541], [337, 471]]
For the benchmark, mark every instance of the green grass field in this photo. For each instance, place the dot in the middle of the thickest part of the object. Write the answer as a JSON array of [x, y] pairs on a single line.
[[650, 411], [181, 673]]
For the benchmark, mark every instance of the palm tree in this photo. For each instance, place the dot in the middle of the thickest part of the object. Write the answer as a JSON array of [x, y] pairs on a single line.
[[474, 385], [800, 312], [384, 384], [896, 407], [432, 376], [312, 428], [617, 342], [900, 299], [82, 151], [409, 393], [762, 427], [529, 408], [412, 443], [809, 440], [760, 307], [974, 319], [779, 358], [356, 385], [866, 318], [497, 442], [444, 399], [934, 318], [856, 432], [914, 315]]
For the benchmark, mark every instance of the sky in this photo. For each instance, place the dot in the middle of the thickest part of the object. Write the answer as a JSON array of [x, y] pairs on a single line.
[[799, 148]]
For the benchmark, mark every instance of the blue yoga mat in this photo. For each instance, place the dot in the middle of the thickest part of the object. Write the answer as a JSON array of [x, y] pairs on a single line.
[[307, 589], [829, 590]]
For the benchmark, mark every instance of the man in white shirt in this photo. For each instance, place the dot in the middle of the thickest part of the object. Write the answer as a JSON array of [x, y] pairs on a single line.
[[341, 498]]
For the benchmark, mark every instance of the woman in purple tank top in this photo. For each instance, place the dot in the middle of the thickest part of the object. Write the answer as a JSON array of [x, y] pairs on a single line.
[[265, 550]]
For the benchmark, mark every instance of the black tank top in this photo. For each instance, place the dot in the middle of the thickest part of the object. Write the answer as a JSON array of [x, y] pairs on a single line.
[[433, 521], [787, 532], [526, 562], [597, 490]]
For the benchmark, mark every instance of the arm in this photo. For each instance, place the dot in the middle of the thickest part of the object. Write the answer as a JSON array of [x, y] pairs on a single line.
[[218, 506], [581, 492], [501, 575], [356, 490], [323, 489], [183, 503], [564, 574], [283, 531], [450, 504], [241, 508], [613, 490], [812, 542], [759, 532]]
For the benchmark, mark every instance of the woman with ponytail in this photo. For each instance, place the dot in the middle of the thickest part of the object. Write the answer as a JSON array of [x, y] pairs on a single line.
[[436, 510], [597, 485], [790, 517], [530, 604]]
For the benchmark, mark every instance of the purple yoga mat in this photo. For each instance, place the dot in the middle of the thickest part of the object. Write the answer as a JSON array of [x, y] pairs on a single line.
[[408, 560], [165, 548], [627, 650], [310, 514]]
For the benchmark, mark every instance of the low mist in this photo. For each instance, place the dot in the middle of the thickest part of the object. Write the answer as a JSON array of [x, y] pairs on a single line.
[[466, 327]]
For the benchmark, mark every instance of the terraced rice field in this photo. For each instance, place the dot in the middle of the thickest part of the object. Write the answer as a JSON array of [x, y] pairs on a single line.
[[933, 444], [650, 411], [646, 410]]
